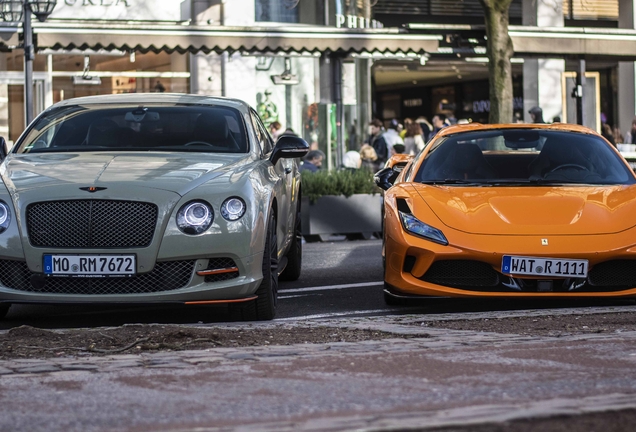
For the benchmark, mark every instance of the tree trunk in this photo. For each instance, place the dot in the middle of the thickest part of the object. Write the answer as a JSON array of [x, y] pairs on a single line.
[[499, 52]]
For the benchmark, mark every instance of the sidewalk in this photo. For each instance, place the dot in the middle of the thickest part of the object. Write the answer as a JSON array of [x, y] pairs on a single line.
[[438, 378]]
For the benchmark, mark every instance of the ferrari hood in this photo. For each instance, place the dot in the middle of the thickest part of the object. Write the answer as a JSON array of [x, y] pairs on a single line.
[[532, 210], [175, 173]]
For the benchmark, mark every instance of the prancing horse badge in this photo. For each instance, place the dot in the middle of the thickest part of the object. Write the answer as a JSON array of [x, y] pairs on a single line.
[[544, 242]]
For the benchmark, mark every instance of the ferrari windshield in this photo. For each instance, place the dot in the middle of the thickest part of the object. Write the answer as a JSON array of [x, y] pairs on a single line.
[[522, 156], [152, 127]]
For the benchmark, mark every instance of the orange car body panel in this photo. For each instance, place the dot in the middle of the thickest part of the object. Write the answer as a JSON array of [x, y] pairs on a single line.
[[596, 223]]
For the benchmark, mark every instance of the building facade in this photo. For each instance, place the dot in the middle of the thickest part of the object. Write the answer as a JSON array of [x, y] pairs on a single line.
[[325, 68]]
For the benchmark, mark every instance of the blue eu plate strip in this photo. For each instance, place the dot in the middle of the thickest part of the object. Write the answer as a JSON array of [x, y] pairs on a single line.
[[48, 264], [505, 264]]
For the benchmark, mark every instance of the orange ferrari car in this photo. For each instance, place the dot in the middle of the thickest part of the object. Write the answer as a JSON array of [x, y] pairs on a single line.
[[511, 211]]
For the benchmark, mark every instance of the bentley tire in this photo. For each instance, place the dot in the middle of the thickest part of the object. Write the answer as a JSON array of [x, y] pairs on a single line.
[[264, 307], [4, 309], [295, 253]]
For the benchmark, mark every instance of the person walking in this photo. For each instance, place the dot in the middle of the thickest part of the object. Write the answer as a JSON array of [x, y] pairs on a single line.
[[413, 141], [630, 136], [394, 142], [376, 140], [439, 123], [536, 114]]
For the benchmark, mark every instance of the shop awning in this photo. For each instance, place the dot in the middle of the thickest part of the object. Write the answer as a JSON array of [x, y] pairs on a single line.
[[543, 42], [194, 39], [574, 41], [8, 36]]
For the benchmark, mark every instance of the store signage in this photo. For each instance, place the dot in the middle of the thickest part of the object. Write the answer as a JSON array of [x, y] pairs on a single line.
[[118, 10], [413, 102], [353, 21]]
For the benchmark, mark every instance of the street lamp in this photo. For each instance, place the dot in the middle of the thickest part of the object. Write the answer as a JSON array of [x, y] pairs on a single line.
[[14, 11]]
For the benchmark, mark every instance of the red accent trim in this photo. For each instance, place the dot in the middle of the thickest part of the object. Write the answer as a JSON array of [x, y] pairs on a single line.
[[217, 271]]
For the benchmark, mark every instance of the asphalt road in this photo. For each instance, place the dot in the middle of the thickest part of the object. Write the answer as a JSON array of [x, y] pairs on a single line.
[[339, 279]]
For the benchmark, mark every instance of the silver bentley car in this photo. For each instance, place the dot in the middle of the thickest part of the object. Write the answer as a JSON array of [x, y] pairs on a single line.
[[150, 198]]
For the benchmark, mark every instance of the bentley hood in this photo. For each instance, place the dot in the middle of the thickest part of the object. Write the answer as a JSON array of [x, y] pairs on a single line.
[[65, 171], [577, 210]]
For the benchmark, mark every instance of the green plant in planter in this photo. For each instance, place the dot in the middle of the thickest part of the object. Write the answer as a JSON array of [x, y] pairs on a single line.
[[345, 182]]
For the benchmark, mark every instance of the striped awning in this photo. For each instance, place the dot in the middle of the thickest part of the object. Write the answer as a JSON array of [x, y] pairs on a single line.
[[194, 39]]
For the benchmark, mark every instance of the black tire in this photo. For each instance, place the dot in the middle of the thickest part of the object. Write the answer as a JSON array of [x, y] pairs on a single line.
[[295, 253], [4, 309], [264, 307]]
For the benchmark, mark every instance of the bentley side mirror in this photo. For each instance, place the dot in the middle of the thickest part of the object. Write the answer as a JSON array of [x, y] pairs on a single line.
[[385, 177], [3, 149], [289, 147]]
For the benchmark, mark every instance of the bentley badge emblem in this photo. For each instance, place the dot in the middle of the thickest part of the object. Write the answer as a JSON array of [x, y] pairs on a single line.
[[92, 189]]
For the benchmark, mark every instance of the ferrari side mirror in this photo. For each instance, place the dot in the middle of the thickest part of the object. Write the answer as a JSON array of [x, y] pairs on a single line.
[[385, 177]]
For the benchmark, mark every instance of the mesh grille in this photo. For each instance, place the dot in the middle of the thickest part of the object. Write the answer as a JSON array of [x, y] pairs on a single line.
[[221, 263], [166, 276], [615, 273], [461, 274], [91, 224]]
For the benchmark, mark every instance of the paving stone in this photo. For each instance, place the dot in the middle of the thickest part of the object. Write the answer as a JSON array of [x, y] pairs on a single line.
[[37, 369]]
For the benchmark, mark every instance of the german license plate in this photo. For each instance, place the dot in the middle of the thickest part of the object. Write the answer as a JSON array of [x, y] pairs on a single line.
[[534, 266], [90, 265]]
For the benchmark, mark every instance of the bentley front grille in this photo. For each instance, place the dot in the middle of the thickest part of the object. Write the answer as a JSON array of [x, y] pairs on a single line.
[[166, 276], [91, 224]]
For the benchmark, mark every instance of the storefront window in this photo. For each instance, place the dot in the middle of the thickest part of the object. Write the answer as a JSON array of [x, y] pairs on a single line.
[[277, 11]]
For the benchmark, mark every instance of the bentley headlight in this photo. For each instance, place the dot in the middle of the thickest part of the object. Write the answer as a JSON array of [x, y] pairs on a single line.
[[416, 227], [195, 217], [5, 216], [233, 209]]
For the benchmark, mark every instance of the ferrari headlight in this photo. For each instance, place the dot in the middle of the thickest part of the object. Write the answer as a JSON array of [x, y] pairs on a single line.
[[416, 227], [233, 208], [5, 216], [195, 217]]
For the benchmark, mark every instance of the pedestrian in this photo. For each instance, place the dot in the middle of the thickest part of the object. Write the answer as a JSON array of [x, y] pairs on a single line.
[[392, 138], [556, 119], [606, 132], [276, 129], [439, 123], [630, 136], [351, 161], [403, 132], [413, 141], [312, 161], [427, 128], [536, 114], [368, 158], [376, 140]]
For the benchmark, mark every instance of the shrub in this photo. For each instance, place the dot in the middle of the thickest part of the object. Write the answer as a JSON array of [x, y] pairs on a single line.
[[345, 182]]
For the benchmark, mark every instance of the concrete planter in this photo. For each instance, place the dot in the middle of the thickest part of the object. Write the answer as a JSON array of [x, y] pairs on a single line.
[[330, 214]]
